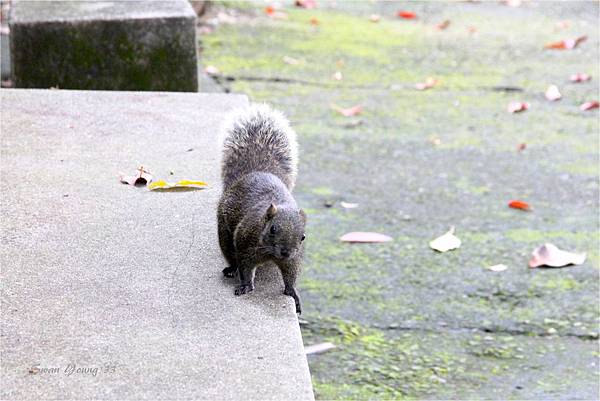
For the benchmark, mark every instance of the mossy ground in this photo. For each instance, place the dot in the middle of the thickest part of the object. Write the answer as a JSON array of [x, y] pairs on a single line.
[[408, 322]]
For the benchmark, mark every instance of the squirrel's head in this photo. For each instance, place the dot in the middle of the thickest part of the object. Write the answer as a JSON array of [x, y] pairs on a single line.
[[283, 232]]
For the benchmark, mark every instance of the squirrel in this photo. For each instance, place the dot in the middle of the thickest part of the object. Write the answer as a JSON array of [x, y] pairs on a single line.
[[258, 218]]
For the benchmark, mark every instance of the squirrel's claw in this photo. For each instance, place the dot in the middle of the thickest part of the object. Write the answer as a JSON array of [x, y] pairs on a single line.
[[243, 289], [229, 271]]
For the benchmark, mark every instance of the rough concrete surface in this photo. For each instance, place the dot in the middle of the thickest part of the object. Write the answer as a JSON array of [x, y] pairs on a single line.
[[132, 45], [410, 323], [97, 274]]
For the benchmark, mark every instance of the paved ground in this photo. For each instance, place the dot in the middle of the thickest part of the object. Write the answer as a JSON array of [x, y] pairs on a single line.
[[408, 322], [115, 292]]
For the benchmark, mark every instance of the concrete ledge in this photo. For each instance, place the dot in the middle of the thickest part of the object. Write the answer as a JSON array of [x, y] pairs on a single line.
[[97, 274], [127, 45]]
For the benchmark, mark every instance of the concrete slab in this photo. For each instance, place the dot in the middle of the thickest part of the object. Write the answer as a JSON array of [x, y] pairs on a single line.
[[132, 45], [101, 275]]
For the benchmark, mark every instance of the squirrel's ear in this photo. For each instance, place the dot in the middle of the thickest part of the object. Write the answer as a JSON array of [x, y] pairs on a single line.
[[271, 211], [303, 215]]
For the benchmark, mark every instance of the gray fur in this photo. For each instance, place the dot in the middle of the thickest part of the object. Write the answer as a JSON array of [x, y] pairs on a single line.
[[259, 139], [259, 220]]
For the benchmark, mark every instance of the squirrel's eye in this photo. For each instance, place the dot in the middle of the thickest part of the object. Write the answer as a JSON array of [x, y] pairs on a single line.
[[273, 230], [303, 237]]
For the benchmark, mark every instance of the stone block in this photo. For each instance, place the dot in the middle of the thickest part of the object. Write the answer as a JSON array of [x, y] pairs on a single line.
[[120, 45]]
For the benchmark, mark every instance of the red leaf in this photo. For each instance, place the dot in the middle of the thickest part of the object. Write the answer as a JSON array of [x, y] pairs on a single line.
[[352, 111], [406, 14], [364, 237], [517, 204], [568, 44], [517, 107], [269, 10], [579, 77], [589, 106], [521, 147]]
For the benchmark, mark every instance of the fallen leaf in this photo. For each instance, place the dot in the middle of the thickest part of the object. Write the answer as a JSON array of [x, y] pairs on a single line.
[[471, 30], [354, 123], [513, 3], [314, 21], [337, 76], [446, 242], [589, 106], [347, 205], [521, 147], [308, 4], [435, 141], [318, 348], [497, 268], [142, 177], [443, 25], [290, 60], [550, 255], [406, 14], [429, 83], [580, 77], [552, 93], [364, 237], [517, 204], [517, 107], [183, 185], [352, 111], [212, 70], [567, 44], [374, 18], [273, 13]]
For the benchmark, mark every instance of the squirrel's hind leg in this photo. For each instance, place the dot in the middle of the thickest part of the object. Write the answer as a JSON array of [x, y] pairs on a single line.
[[227, 247]]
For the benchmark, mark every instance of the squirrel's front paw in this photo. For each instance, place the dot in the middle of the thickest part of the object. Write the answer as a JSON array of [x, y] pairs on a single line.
[[243, 289], [229, 271]]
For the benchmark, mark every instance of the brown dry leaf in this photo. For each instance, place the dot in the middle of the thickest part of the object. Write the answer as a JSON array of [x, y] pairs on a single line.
[[212, 70], [430, 82], [446, 242], [517, 107], [352, 111], [318, 348], [290, 60], [552, 93], [142, 177], [364, 237], [549, 255], [497, 268], [580, 77], [568, 44], [443, 25], [589, 106]]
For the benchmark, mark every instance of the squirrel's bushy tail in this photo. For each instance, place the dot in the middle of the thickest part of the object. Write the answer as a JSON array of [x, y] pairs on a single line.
[[259, 139]]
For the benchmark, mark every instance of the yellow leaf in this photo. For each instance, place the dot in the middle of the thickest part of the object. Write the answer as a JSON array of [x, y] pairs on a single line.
[[183, 185]]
